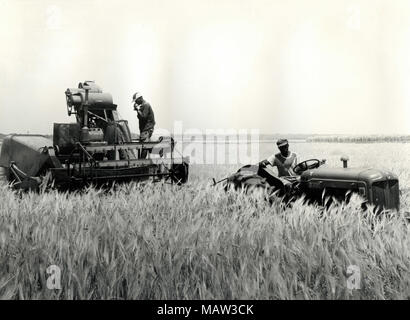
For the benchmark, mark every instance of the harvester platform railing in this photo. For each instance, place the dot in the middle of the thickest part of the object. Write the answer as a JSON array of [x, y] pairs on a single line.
[[135, 162], [128, 146], [114, 177]]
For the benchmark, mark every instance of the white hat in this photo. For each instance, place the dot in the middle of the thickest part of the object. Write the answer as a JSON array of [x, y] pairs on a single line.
[[282, 142], [136, 96]]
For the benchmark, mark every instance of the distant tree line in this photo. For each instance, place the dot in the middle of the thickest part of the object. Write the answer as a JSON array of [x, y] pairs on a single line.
[[359, 138]]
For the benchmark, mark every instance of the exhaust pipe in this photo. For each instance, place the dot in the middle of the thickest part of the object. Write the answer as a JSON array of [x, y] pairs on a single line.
[[344, 160]]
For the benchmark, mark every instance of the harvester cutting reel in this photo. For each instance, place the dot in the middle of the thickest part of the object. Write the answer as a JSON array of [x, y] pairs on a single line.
[[22, 181]]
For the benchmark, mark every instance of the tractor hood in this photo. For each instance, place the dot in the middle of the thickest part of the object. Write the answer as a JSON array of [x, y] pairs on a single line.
[[368, 175]]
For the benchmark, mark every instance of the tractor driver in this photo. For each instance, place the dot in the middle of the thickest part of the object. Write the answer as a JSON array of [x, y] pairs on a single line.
[[146, 119], [285, 160]]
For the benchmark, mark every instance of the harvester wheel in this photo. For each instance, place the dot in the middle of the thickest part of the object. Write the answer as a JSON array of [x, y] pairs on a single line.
[[180, 173]]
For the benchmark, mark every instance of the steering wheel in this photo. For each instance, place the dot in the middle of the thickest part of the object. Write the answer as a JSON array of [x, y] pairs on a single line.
[[306, 165]]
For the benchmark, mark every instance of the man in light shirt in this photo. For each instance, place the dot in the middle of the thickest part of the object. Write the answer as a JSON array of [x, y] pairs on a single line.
[[285, 160]]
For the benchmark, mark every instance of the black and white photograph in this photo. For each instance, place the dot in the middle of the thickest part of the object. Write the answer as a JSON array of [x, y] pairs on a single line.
[[228, 152]]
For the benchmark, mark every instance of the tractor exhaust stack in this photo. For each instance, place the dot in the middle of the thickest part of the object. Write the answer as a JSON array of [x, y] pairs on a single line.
[[344, 160]]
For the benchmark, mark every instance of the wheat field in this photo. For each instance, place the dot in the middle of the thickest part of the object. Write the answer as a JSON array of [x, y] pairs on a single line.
[[157, 241]]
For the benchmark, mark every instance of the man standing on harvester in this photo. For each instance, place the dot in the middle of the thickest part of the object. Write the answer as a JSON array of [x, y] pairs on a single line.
[[146, 119]]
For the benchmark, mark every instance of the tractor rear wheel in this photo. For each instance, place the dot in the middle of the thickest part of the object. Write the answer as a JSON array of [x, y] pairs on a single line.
[[247, 182], [180, 173]]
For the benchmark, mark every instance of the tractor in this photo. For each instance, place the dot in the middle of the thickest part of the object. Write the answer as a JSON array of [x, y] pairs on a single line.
[[317, 182], [97, 149]]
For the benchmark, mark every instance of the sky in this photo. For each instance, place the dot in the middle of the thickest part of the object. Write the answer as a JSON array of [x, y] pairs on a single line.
[[296, 66]]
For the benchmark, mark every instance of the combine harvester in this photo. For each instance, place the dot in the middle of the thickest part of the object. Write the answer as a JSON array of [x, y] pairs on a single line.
[[97, 149]]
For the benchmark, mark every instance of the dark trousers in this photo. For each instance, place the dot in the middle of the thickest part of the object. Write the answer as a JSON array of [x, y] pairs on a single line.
[[145, 136]]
